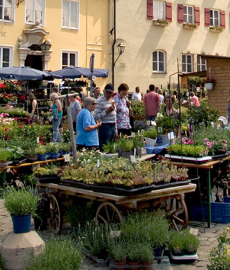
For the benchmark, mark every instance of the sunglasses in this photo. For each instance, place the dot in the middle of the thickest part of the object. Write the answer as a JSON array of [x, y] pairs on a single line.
[[94, 103]]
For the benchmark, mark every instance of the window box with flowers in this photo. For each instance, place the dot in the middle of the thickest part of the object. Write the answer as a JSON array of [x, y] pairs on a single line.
[[159, 22], [216, 29], [190, 26]]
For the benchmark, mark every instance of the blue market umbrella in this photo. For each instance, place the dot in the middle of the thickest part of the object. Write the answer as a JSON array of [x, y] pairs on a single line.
[[77, 72], [24, 74]]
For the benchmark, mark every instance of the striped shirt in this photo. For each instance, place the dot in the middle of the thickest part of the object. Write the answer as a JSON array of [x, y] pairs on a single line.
[[100, 112]]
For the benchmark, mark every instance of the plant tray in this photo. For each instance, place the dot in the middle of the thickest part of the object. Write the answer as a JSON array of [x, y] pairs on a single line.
[[48, 179], [127, 266], [32, 159], [77, 184], [173, 184], [219, 156], [100, 262], [18, 161], [183, 258], [189, 159], [122, 191]]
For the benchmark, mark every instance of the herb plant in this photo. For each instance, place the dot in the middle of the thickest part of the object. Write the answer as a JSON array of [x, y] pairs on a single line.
[[60, 253], [20, 202]]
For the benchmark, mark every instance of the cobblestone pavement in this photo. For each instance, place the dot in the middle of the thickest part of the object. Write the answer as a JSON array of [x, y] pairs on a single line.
[[207, 242]]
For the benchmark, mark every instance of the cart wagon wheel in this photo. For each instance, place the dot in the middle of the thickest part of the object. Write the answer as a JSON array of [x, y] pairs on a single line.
[[178, 213], [55, 218], [108, 213], [176, 209]]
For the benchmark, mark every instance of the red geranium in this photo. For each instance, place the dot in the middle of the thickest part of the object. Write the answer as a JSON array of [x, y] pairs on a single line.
[[2, 85]]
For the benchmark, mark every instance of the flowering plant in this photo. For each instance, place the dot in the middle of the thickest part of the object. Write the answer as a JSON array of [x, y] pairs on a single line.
[[216, 146], [166, 124], [219, 256]]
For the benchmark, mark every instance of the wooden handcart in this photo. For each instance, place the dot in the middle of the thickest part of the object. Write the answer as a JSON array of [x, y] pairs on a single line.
[[111, 208]]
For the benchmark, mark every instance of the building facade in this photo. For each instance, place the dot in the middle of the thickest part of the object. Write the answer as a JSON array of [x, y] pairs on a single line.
[[74, 29], [164, 37]]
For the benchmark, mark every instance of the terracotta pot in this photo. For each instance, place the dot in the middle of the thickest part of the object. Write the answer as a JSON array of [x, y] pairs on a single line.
[[134, 265], [120, 265], [147, 266]]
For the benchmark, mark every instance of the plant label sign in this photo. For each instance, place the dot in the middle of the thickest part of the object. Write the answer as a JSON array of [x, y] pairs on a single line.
[[38, 140], [171, 135], [66, 157], [98, 163], [133, 159]]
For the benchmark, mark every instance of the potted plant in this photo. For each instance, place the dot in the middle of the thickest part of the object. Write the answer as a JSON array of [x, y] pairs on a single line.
[[161, 22], [190, 26], [158, 235], [5, 156], [191, 243], [146, 256], [209, 81], [125, 146], [133, 254], [110, 148], [21, 204], [216, 28], [138, 143], [176, 244], [150, 136], [118, 254], [41, 152]]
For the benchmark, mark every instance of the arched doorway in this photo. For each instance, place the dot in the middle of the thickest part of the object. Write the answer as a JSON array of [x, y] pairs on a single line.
[[34, 61]]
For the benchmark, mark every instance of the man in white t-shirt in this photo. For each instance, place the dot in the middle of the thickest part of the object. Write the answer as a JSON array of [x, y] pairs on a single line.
[[136, 96]]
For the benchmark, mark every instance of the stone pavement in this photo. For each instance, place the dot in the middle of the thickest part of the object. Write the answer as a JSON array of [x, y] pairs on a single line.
[[208, 240]]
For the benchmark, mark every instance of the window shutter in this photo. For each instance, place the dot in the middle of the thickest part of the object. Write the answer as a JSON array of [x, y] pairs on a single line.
[[222, 18], [180, 13], [197, 15], [150, 9], [207, 17], [169, 11]]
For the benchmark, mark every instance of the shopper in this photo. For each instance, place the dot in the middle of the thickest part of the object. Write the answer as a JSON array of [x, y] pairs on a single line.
[[106, 111], [32, 107], [151, 103], [57, 117], [87, 135], [123, 106], [75, 109], [136, 96]]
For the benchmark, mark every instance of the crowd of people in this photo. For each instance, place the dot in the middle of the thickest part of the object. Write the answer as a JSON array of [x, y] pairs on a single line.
[[106, 116]]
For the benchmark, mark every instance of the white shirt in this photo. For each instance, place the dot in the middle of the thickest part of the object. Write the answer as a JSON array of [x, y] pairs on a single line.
[[136, 96]]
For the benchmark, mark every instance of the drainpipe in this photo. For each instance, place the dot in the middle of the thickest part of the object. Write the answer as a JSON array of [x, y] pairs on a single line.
[[114, 39]]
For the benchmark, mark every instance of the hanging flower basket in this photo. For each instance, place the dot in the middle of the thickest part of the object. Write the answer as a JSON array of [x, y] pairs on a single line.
[[208, 86]]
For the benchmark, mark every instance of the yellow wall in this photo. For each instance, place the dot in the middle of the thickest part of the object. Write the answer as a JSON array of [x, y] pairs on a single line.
[[92, 36], [141, 38]]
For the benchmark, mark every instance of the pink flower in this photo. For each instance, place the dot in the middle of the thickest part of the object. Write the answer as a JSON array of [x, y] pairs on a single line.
[[15, 118], [191, 141], [206, 139]]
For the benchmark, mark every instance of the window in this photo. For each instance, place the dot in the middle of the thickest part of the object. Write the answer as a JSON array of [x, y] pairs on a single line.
[[188, 14], [69, 59], [158, 10], [201, 64], [6, 10], [158, 61], [187, 63], [214, 17], [5, 57], [35, 11], [70, 14]]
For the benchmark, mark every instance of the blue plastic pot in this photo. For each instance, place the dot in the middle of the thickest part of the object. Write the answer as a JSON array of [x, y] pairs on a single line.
[[21, 224], [54, 155]]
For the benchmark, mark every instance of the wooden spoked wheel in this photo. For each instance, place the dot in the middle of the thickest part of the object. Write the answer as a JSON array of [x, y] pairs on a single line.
[[178, 213], [55, 217], [176, 210], [108, 213]]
